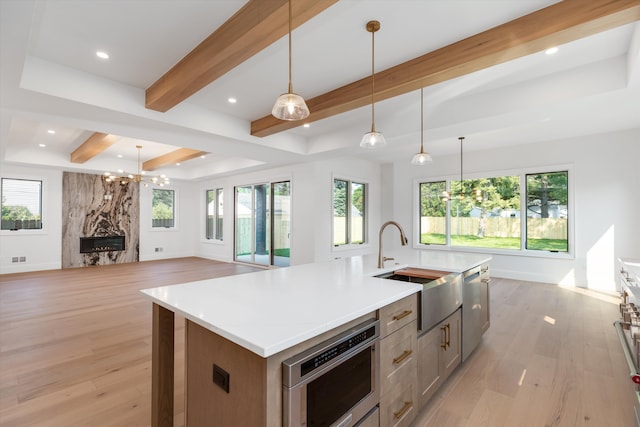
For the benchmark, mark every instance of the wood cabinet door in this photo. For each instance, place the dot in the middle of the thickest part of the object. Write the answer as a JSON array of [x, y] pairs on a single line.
[[451, 355], [429, 378]]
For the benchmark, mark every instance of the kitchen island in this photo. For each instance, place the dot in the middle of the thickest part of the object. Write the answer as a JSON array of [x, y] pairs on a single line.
[[260, 319]]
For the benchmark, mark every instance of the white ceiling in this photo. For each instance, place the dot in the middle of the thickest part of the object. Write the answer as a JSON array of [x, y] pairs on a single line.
[[50, 78]]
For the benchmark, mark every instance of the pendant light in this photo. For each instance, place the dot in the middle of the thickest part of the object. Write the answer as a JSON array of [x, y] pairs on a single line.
[[421, 158], [290, 106], [372, 139]]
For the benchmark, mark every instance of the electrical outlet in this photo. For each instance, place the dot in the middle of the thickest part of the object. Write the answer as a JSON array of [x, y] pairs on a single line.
[[23, 259], [158, 249], [221, 378], [15, 259]]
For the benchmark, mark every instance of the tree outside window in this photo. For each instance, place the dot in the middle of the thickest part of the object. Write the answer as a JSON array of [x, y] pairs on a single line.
[[349, 212], [162, 208]]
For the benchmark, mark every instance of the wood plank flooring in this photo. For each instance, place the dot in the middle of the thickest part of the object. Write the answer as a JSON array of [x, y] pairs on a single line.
[[75, 344], [75, 350], [550, 358]]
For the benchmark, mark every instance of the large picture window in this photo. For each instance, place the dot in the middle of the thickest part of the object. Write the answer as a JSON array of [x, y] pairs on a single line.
[[163, 208], [349, 212], [488, 212], [21, 204], [214, 214]]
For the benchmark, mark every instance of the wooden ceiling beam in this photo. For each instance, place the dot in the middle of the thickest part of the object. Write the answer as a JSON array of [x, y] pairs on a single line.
[[557, 24], [254, 27], [177, 156], [94, 145]]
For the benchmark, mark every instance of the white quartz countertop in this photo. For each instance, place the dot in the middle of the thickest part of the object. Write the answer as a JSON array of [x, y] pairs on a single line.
[[269, 311]]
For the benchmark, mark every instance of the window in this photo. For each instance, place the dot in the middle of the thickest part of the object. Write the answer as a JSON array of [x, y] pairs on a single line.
[[487, 212], [214, 214], [21, 204], [163, 208], [263, 223], [547, 211], [349, 212], [433, 213]]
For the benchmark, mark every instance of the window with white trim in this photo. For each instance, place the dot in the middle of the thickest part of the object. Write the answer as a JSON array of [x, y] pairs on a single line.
[[163, 208], [486, 213], [214, 214], [349, 212], [21, 204]]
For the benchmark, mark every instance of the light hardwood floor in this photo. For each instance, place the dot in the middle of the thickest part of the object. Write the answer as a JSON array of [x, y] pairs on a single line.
[[75, 350]]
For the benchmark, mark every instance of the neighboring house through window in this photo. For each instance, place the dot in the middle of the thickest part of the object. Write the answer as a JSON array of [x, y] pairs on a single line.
[[21, 204]]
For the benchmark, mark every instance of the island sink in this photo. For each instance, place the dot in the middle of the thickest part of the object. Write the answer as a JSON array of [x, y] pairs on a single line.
[[441, 293]]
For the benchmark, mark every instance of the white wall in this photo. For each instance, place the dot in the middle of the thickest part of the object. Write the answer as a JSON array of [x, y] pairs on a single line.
[[311, 193], [42, 248], [176, 242], [606, 180]]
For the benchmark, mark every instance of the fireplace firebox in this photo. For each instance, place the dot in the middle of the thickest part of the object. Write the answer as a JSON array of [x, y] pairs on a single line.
[[102, 244]]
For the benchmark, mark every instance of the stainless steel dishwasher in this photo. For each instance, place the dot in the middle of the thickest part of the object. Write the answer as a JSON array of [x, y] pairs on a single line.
[[472, 316]]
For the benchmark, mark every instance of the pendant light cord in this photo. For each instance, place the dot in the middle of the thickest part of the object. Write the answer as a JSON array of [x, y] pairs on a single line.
[[290, 25], [373, 53], [421, 121]]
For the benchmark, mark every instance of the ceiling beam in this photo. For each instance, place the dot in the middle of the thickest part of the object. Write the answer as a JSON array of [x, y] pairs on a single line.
[[557, 24], [94, 145], [254, 27], [177, 156]]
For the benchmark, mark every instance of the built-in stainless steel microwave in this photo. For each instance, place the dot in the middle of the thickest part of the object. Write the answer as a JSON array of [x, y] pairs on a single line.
[[335, 383]]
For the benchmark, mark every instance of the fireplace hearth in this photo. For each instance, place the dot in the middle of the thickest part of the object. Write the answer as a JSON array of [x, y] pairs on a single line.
[[102, 244]]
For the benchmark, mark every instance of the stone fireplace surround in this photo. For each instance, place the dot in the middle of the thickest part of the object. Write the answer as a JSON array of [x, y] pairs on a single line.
[[92, 208]]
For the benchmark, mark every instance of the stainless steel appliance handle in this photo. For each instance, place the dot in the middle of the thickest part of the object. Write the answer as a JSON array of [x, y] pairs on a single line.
[[633, 371]]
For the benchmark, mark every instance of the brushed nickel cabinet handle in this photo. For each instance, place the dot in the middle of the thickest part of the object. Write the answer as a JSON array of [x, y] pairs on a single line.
[[404, 410], [402, 315], [402, 357]]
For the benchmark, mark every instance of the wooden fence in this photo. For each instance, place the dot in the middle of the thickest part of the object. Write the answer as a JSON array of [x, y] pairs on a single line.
[[538, 228]]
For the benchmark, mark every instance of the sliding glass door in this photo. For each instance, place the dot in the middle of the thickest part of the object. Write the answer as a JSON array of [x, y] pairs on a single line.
[[262, 226]]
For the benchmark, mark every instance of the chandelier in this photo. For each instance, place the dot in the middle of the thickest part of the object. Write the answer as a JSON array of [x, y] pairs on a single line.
[[139, 177]]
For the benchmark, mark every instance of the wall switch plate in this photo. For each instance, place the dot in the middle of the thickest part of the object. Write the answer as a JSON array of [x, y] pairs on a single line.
[[23, 259], [221, 378], [15, 259]]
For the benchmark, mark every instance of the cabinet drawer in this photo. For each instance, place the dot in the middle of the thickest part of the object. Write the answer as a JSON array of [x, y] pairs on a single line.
[[399, 408], [398, 314], [398, 356]]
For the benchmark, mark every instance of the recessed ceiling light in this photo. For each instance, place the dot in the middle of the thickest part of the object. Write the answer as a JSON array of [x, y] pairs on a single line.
[[203, 157], [51, 131], [232, 100], [102, 55], [306, 125], [177, 164], [551, 50], [119, 156], [42, 145]]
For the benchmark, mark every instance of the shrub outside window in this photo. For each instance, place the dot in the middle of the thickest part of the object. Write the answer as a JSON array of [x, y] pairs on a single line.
[[21, 204]]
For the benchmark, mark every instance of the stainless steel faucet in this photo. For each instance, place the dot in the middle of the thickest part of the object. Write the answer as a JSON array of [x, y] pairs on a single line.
[[403, 240]]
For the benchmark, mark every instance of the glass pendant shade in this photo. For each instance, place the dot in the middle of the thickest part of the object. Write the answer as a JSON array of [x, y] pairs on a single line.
[[420, 159], [373, 139], [290, 106]]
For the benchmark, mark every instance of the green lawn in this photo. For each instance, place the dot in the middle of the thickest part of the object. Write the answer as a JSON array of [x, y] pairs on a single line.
[[495, 242]]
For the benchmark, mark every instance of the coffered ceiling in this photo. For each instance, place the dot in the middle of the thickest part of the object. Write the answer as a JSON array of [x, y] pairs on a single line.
[[482, 64]]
